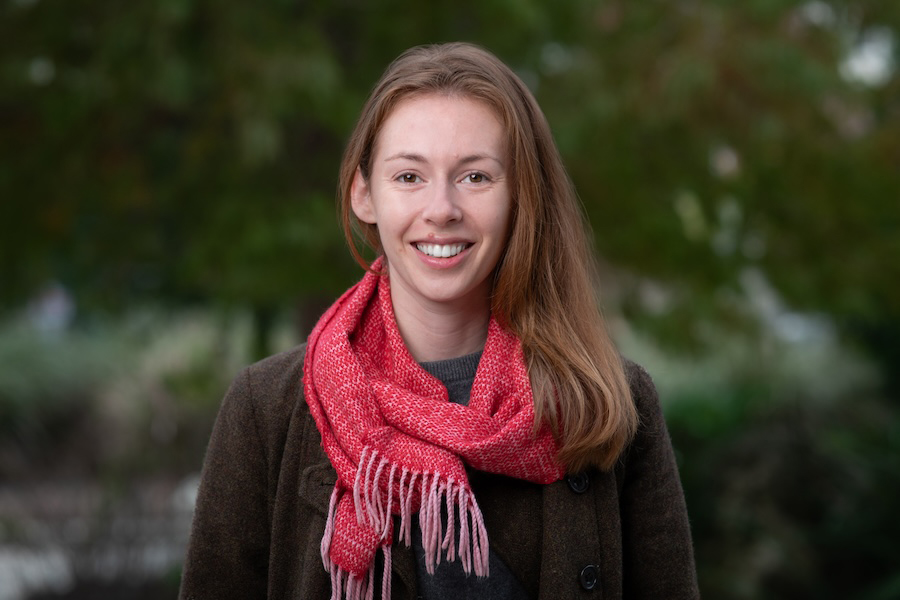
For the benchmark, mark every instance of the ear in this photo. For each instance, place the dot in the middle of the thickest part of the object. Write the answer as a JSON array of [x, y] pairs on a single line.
[[361, 199]]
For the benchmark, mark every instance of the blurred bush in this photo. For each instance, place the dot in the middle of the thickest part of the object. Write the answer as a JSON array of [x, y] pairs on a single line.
[[47, 386], [790, 458], [120, 399]]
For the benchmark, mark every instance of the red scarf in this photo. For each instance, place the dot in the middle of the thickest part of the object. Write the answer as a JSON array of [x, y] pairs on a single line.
[[399, 446]]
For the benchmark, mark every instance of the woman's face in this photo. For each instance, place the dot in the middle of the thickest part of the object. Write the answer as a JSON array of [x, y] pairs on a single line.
[[439, 195]]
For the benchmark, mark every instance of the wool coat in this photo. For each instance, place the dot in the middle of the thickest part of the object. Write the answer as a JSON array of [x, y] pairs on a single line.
[[266, 484]]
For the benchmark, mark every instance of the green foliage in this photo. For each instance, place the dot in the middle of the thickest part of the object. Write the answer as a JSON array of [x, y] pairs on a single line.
[[46, 383], [789, 460], [781, 499], [118, 399], [712, 138], [187, 151], [159, 415]]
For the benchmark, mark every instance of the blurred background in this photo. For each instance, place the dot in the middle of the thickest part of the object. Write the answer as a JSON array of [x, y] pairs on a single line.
[[167, 215]]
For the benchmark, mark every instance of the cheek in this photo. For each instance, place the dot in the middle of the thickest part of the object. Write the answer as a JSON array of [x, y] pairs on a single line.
[[391, 227], [501, 221], [504, 232]]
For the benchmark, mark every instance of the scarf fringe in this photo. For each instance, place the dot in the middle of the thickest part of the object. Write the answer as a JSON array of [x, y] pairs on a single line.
[[374, 508], [344, 586]]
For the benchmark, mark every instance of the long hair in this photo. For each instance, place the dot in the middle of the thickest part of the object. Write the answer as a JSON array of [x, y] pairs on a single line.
[[545, 286]]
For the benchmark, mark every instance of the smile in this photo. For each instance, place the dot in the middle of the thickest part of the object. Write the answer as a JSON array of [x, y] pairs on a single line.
[[441, 250]]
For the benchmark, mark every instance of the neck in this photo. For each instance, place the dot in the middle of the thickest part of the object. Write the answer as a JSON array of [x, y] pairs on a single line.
[[438, 332]]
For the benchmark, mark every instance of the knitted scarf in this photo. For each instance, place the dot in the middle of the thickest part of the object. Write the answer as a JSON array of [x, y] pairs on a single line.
[[400, 447]]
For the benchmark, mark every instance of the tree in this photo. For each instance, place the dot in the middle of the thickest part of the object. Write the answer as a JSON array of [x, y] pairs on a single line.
[[187, 150]]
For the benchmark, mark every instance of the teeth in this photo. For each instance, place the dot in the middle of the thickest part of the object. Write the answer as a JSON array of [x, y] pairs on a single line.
[[441, 251]]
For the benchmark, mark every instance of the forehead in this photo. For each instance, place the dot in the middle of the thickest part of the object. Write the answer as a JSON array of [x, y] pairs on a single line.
[[435, 120]]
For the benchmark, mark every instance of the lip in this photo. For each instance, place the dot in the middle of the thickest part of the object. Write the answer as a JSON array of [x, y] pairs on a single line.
[[442, 263]]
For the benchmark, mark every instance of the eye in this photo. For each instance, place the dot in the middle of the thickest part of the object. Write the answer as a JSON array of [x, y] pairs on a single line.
[[408, 178], [476, 178]]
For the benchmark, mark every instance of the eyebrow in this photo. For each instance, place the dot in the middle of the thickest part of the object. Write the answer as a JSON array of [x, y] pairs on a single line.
[[463, 161]]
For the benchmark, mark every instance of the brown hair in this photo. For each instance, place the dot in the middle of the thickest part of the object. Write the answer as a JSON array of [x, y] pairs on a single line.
[[544, 284]]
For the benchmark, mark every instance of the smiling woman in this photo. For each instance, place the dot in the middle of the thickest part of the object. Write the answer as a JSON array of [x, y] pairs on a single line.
[[458, 423], [439, 198]]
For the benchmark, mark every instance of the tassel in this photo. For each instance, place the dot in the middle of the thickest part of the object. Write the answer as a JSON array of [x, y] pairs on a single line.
[[406, 521], [369, 591], [403, 492], [449, 539], [465, 556], [357, 497], [386, 574], [370, 508], [345, 586], [377, 503], [430, 521], [390, 502], [329, 528], [337, 583]]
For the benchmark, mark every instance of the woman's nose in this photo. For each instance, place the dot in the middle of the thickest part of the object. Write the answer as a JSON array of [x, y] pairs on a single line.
[[442, 205]]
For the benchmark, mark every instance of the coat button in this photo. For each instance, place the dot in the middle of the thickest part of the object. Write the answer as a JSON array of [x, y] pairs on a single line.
[[579, 482], [589, 577]]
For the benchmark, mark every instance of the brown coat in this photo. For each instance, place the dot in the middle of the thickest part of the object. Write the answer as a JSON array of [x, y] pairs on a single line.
[[266, 484]]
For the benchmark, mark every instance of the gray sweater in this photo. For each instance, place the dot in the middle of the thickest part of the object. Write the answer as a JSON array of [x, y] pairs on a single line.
[[449, 581]]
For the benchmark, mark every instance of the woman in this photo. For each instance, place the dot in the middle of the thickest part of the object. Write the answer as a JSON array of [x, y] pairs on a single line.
[[459, 423]]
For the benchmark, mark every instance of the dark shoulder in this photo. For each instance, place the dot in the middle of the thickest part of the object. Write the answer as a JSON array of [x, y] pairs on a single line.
[[646, 400], [279, 368], [643, 390], [275, 387], [651, 435]]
